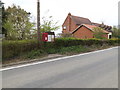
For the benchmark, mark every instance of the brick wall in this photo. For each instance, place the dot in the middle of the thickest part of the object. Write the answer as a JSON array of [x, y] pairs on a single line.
[[83, 33], [70, 25]]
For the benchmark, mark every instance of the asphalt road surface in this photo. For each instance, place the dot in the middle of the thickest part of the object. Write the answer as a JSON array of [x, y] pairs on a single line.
[[94, 70]]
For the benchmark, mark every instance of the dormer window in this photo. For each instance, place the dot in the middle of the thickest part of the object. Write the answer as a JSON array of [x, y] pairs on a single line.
[[64, 27]]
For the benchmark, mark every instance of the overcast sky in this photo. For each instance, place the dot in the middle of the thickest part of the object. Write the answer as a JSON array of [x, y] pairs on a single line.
[[96, 10]]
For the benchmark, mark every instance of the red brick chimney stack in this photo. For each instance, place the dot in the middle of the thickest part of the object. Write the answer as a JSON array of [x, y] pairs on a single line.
[[69, 16]]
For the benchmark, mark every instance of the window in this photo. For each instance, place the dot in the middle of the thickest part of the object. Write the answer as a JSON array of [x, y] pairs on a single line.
[[64, 27]]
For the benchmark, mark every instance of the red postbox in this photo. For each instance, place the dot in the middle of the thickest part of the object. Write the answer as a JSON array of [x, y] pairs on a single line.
[[45, 37], [48, 37]]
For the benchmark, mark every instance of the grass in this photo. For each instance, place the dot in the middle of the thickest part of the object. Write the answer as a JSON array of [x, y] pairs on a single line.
[[71, 50], [34, 54], [63, 50]]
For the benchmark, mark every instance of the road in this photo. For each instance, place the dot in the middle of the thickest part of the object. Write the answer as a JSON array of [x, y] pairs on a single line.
[[93, 70]]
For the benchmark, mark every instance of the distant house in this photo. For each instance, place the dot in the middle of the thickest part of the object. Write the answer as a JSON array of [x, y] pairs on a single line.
[[83, 28]]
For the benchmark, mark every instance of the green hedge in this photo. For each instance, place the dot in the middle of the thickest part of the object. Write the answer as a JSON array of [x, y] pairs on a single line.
[[13, 49], [65, 42]]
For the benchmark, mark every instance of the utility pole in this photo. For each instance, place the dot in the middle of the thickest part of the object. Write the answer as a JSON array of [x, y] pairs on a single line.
[[119, 14], [1, 5], [38, 24]]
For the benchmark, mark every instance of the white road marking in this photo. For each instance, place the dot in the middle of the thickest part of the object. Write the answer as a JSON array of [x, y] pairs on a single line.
[[51, 60]]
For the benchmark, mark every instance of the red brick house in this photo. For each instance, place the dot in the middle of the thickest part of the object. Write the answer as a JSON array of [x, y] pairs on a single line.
[[83, 28]]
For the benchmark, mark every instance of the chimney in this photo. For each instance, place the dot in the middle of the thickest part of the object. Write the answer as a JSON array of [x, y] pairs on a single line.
[[69, 14]]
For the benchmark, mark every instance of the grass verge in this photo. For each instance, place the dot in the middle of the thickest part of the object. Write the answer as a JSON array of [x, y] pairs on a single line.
[[71, 50]]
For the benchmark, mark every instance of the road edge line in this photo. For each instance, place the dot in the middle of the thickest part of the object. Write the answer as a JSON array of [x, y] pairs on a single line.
[[56, 59]]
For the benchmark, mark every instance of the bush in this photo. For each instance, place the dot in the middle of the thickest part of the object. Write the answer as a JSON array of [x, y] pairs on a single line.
[[73, 49], [13, 49], [113, 42], [65, 42], [16, 48], [51, 50], [66, 35], [34, 53]]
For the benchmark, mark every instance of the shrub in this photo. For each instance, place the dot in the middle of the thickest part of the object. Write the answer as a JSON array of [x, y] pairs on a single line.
[[34, 53], [16, 48], [65, 42], [51, 50], [99, 33], [73, 42], [66, 35], [113, 42], [73, 49], [13, 49]]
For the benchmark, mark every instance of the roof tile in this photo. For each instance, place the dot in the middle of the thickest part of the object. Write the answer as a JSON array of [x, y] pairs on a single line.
[[80, 20]]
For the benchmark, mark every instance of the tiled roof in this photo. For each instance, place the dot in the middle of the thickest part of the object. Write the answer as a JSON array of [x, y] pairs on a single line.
[[105, 27], [93, 26], [90, 27], [80, 20]]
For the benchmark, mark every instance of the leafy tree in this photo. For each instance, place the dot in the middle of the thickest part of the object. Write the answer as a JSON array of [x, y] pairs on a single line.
[[98, 33], [48, 24], [18, 23], [116, 32], [4, 18]]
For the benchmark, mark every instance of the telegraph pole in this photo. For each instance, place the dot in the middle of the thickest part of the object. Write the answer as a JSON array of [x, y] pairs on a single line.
[[1, 5], [119, 14], [38, 24]]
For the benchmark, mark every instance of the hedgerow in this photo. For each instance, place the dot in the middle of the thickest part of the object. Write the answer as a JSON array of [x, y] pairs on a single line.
[[65, 42], [13, 49]]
